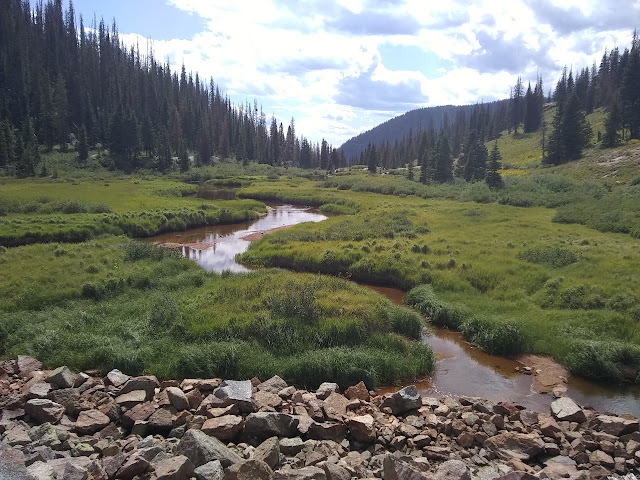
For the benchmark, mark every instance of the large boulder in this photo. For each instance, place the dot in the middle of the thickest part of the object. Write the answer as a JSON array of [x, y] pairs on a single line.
[[148, 383], [273, 385], [268, 424], [523, 446], [177, 398], [306, 473], [565, 409], [27, 364], [225, 427], [269, 452], [335, 406], [201, 449], [91, 421], [396, 469], [44, 410], [614, 425], [452, 470], [403, 400], [209, 471], [358, 391], [234, 392], [62, 377], [174, 468], [362, 428]]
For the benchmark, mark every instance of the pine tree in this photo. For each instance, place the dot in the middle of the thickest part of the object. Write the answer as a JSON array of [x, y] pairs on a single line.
[[472, 165], [324, 155], [493, 178], [372, 159], [571, 132], [184, 158], [410, 170], [83, 146], [443, 168], [612, 124]]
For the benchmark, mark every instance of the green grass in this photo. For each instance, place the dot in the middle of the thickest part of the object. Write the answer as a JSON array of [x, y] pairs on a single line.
[[113, 303], [37, 210], [511, 279]]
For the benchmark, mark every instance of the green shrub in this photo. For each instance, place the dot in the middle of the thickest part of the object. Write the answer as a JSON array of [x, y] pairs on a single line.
[[555, 257], [499, 338], [438, 312]]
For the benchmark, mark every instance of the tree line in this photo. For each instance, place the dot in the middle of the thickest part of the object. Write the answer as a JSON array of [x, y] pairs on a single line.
[[613, 86], [64, 84]]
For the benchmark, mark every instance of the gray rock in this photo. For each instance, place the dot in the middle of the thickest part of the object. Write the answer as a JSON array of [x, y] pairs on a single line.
[[174, 468], [201, 449], [273, 385], [404, 400], [253, 470], [45, 435], [27, 365], [523, 446], [565, 409], [129, 399], [177, 398], [452, 470], [291, 446], [209, 471], [614, 425], [62, 377], [396, 469], [306, 473], [268, 424], [325, 389], [233, 392], [133, 466], [336, 472], [269, 452], [117, 378], [12, 466], [44, 410], [327, 430], [41, 471], [148, 383]]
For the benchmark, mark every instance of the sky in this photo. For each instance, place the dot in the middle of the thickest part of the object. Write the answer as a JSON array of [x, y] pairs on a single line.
[[342, 67]]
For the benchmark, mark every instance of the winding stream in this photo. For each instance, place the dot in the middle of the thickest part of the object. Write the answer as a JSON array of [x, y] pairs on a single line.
[[460, 368]]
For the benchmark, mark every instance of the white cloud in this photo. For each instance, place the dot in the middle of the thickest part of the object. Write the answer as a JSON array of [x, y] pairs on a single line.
[[319, 61]]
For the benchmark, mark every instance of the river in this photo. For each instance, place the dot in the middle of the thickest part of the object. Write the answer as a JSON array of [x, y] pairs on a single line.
[[461, 369]]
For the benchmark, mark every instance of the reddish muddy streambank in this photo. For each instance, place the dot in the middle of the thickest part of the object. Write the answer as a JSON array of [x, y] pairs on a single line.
[[461, 369]]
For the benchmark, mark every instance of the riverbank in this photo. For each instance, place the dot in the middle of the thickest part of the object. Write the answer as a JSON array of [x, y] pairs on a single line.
[[62, 424]]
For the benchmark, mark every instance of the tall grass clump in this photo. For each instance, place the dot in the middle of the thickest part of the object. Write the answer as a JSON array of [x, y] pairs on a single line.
[[438, 312], [496, 337], [552, 257]]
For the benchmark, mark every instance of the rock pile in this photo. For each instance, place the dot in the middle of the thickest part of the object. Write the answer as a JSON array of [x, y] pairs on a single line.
[[62, 425]]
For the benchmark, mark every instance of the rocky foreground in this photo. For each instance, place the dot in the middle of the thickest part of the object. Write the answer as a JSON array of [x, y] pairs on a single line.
[[62, 425]]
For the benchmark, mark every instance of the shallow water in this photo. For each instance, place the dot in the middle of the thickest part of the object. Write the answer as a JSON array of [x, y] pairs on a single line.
[[226, 241], [461, 369]]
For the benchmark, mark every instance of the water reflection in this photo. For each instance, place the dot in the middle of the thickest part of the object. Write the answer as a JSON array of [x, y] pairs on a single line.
[[215, 248]]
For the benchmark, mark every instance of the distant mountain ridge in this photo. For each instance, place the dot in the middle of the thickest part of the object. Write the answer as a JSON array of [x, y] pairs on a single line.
[[417, 120]]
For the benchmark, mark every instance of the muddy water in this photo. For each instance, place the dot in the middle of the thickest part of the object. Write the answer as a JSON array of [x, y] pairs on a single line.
[[460, 368]]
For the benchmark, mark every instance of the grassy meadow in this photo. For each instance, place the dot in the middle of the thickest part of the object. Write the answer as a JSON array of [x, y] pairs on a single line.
[[512, 279], [116, 303], [548, 264]]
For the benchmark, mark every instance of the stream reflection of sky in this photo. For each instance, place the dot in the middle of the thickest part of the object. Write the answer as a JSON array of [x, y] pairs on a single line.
[[221, 255]]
